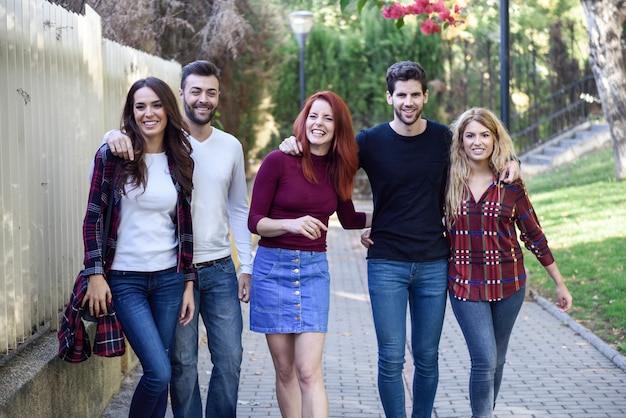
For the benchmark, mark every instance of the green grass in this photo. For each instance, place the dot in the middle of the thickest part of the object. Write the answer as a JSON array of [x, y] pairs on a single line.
[[582, 209]]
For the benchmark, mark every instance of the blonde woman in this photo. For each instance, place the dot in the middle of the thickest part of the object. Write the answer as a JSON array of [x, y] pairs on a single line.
[[486, 277]]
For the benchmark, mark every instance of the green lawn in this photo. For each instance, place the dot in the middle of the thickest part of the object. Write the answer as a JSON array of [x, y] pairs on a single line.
[[582, 210]]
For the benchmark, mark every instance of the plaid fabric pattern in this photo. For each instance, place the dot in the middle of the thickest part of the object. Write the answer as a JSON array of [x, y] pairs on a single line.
[[486, 260], [74, 344]]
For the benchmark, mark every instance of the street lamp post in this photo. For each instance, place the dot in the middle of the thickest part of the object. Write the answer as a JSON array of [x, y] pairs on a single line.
[[504, 63], [301, 24]]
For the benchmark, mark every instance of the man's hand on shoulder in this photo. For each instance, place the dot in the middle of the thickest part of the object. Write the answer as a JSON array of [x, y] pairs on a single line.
[[120, 144], [291, 146], [512, 172]]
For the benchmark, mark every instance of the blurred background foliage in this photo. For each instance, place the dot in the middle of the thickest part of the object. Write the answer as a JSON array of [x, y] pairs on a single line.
[[348, 52]]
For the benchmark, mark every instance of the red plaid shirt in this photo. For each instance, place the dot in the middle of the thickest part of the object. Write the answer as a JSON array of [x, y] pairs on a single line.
[[74, 344], [486, 260]]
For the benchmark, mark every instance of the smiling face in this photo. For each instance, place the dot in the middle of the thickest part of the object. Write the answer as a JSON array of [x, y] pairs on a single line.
[[320, 127], [478, 143], [408, 99], [200, 98], [149, 114]]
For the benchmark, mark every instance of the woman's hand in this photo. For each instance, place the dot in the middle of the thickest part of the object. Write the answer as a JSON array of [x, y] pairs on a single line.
[[306, 225], [98, 295], [564, 299]]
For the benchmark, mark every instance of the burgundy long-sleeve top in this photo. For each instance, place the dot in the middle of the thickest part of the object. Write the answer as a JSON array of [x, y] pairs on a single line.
[[282, 192]]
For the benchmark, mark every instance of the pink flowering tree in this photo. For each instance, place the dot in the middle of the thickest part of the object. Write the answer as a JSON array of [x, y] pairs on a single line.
[[434, 15]]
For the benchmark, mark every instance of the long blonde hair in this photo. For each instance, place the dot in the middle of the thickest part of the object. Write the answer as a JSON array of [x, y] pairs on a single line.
[[460, 170]]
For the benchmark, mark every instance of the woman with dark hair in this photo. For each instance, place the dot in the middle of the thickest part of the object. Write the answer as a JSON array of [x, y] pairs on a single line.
[[292, 200], [144, 270]]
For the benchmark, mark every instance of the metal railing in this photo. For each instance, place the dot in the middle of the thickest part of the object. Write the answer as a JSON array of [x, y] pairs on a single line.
[[563, 110]]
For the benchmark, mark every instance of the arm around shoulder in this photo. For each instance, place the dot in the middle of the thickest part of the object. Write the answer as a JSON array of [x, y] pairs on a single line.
[[120, 144]]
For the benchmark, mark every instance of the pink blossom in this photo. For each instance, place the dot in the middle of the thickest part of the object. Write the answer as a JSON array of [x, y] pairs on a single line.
[[415, 9], [395, 11], [445, 16], [434, 12], [429, 26], [439, 7]]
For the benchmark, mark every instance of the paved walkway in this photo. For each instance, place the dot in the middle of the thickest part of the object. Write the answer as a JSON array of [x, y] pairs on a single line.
[[552, 371]]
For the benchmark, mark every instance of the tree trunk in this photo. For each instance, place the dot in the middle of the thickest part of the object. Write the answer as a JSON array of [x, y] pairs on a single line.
[[608, 59]]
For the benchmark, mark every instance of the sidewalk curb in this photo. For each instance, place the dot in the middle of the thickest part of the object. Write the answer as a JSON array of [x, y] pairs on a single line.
[[608, 351]]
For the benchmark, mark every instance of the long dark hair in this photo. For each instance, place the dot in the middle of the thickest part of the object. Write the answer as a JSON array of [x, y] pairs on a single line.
[[175, 141]]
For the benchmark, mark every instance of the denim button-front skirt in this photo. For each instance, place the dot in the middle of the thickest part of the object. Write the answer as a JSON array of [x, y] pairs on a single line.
[[290, 291]]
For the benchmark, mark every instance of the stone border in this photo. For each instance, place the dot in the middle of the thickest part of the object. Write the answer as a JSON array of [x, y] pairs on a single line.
[[608, 351]]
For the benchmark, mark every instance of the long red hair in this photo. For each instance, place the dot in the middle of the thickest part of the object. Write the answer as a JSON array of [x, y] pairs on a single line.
[[344, 152]]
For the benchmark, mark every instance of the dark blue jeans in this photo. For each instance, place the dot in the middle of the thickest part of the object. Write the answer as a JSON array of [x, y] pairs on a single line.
[[424, 285], [148, 305], [487, 327], [217, 300]]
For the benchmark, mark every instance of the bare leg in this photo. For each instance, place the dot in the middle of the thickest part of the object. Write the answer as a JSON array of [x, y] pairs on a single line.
[[282, 348], [309, 348]]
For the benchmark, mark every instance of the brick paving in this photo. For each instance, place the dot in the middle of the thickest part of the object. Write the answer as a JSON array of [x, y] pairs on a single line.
[[552, 371]]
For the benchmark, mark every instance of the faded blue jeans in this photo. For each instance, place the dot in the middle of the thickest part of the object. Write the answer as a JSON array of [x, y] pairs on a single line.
[[216, 299], [487, 327], [148, 305], [424, 285]]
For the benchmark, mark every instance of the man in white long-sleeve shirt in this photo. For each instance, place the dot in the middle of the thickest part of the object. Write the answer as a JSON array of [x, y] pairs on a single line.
[[219, 203]]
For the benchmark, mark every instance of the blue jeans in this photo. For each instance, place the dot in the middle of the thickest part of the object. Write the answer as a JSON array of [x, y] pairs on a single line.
[[424, 285], [148, 305], [487, 327], [216, 296]]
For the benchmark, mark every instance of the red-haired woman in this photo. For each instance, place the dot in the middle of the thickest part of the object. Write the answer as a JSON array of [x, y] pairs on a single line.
[[292, 199]]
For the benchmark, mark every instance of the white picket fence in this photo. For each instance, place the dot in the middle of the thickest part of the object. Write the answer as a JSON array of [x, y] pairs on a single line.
[[61, 87]]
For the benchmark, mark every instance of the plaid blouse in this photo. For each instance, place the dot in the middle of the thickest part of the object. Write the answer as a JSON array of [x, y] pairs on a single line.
[[486, 260]]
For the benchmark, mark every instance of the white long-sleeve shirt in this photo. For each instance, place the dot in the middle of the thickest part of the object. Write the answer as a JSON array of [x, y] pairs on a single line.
[[220, 200]]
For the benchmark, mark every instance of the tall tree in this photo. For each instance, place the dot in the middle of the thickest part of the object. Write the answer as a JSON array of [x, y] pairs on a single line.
[[235, 34], [608, 62]]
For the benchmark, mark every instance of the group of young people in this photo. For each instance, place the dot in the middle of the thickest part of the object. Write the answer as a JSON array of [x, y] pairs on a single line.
[[443, 222]]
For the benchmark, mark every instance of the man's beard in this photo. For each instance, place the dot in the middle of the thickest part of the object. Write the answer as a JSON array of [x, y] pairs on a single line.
[[408, 122], [189, 111]]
